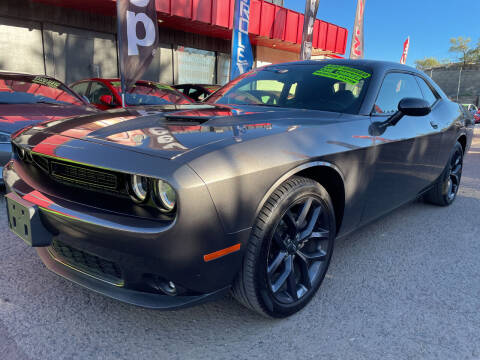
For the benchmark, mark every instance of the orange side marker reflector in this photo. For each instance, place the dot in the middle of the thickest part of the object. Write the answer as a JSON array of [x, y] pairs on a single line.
[[220, 253]]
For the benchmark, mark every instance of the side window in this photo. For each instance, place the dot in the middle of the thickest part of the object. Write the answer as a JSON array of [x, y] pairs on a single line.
[[195, 94], [80, 88], [395, 87], [96, 91], [428, 94], [181, 89]]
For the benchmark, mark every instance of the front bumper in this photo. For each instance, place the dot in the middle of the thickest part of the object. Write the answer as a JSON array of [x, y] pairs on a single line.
[[130, 296], [140, 248]]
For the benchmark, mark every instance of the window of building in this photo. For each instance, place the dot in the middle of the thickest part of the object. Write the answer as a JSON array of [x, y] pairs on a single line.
[[194, 66], [223, 68]]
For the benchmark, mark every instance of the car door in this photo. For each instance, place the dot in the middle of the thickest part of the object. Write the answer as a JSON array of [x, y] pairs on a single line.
[[404, 153], [438, 153]]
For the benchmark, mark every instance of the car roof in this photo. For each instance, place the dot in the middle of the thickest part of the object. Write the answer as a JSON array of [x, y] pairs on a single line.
[[197, 85], [373, 64], [11, 73], [117, 79]]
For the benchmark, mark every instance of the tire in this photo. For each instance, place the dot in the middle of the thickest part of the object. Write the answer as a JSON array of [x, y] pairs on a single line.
[[444, 192], [281, 240]]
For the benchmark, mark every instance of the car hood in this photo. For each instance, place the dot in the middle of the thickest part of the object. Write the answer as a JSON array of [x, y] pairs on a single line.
[[17, 116], [172, 130]]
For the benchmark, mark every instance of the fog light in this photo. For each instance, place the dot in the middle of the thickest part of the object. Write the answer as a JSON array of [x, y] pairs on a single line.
[[168, 287], [162, 285]]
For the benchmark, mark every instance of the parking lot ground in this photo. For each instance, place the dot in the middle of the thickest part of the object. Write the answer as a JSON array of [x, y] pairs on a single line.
[[405, 287]]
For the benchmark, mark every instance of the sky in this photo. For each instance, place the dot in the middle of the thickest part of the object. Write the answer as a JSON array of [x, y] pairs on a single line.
[[429, 23]]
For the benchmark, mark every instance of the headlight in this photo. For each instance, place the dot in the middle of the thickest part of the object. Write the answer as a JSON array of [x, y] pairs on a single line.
[[139, 185], [4, 138], [165, 195]]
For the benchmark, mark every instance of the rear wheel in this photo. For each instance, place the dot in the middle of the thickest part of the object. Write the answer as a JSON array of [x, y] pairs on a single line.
[[289, 250], [445, 190]]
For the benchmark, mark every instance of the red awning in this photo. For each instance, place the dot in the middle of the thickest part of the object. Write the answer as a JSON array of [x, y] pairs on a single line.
[[270, 25]]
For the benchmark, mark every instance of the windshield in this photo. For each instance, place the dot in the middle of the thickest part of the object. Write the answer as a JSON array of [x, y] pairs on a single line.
[[151, 93], [18, 89], [322, 86]]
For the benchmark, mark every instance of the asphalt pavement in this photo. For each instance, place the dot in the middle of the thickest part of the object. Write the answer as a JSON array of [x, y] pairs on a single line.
[[404, 287]]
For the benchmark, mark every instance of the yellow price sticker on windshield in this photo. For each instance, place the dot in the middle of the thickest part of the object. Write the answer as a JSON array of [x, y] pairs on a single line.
[[46, 82], [342, 73]]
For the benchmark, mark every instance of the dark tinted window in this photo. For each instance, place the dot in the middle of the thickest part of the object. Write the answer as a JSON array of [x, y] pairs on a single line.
[[197, 94], [80, 88], [322, 86], [182, 89], [152, 93], [395, 87], [428, 94], [97, 90]]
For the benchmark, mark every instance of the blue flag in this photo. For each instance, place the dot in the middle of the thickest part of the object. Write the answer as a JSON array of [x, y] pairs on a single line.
[[242, 56]]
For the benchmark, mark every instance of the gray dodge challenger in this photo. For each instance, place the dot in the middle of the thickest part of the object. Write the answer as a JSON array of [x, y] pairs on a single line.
[[169, 206]]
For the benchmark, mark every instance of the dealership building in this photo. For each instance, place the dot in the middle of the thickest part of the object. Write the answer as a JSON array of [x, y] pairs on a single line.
[[76, 39]]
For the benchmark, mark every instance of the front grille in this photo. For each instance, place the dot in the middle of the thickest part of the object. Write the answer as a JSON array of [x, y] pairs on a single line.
[[84, 176], [79, 175], [92, 265], [40, 161]]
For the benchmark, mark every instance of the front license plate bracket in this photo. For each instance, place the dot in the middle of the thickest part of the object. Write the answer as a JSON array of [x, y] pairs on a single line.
[[24, 221]]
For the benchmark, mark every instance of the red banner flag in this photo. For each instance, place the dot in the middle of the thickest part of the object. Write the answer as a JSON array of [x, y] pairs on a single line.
[[357, 48], [406, 45]]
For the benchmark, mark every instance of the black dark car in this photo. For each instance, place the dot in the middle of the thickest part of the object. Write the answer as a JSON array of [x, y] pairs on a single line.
[[169, 206], [197, 92]]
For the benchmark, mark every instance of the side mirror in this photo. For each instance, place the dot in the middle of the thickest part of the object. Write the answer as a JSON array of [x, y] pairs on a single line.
[[414, 107], [406, 106], [106, 100]]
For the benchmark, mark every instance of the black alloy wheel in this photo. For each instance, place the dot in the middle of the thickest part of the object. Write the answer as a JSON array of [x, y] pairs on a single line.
[[455, 174], [299, 250], [444, 192], [289, 250]]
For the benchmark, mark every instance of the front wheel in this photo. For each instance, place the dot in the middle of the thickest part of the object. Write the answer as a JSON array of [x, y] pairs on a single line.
[[289, 250], [445, 190]]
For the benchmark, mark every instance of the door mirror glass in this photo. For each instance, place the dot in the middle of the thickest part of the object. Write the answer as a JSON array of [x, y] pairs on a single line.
[[414, 107]]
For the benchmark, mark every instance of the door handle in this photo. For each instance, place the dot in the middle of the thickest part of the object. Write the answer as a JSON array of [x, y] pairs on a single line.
[[434, 124]]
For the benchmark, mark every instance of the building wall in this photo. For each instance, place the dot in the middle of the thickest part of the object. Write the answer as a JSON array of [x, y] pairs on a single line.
[[25, 58], [266, 55], [463, 80], [72, 45]]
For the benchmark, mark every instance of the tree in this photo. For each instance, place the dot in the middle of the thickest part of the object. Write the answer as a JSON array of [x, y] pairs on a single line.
[[472, 55], [460, 45], [427, 63]]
